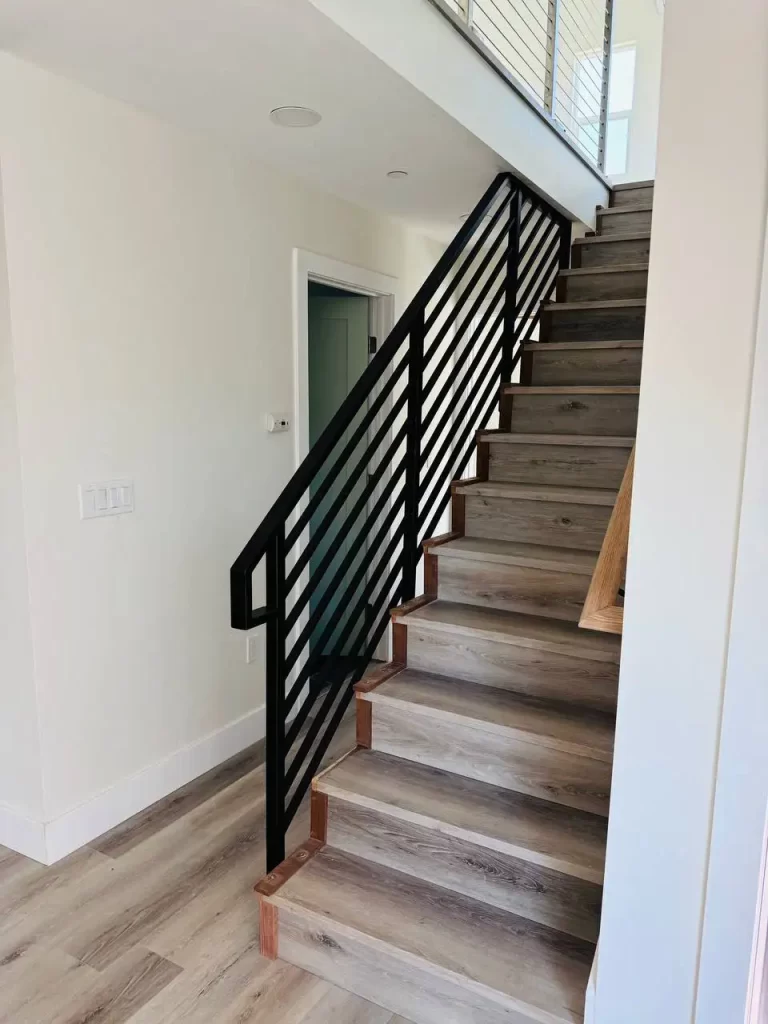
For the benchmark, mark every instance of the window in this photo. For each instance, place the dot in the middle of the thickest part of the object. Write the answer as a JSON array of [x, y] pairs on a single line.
[[586, 105]]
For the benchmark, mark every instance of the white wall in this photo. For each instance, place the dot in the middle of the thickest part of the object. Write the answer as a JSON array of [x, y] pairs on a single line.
[[709, 223], [150, 278], [735, 876], [416, 41], [639, 23], [20, 779]]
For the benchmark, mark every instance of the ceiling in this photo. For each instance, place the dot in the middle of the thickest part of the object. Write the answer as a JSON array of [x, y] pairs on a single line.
[[221, 67]]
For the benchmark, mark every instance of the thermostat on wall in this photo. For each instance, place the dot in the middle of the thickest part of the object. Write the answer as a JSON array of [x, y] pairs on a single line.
[[277, 424]]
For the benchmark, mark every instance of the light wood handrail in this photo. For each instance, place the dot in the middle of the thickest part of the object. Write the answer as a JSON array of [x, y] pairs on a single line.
[[601, 610]]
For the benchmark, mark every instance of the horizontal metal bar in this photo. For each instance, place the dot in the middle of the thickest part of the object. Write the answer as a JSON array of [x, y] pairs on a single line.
[[467, 263], [475, 424], [307, 672], [450, 412], [465, 324], [352, 481], [532, 274], [364, 545], [344, 455], [470, 287], [458, 414]]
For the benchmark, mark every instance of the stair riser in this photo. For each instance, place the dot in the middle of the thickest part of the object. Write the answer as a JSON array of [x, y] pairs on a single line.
[[405, 988], [605, 415], [542, 674], [632, 284], [516, 588], [550, 897], [593, 324], [629, 222], [552, 523], [611, 254], [500, 759], [560, 465], [586, 366], [632, 196]]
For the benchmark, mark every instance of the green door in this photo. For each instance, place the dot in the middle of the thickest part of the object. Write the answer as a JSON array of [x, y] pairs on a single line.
[[338, 354]]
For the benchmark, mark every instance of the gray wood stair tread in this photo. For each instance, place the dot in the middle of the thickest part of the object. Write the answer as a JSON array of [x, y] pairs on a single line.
[[635, 236], [572, 389], [627, 186], [549, 834], [610, 211], [520, 965], [558, 726], [588, 440], [530, 492], [517, 628], [579, 346], [621, 268], [589, 304], [509, 552]]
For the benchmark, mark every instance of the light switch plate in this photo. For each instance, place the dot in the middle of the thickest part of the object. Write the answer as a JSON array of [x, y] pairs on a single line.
[[106, 498]]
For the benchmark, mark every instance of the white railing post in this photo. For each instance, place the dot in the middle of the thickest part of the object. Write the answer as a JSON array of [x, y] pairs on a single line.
[[607, 43], [553, 39]]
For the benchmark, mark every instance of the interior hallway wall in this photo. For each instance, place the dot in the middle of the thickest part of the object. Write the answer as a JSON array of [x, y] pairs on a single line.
[[151, 281]]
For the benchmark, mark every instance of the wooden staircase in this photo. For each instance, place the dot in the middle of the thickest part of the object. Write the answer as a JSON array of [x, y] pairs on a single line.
[[455, 865]]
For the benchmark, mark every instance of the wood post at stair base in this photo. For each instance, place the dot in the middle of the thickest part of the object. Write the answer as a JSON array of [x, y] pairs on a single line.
[[267, 929], [363, 722], [318, 816]]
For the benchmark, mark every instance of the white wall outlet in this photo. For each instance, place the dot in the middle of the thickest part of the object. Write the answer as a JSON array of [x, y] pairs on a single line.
[[106, 498], [253, 648], [277, 423]]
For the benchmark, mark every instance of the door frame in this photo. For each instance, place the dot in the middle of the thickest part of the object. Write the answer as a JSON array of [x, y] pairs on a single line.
[[387, 305], [310, 266]]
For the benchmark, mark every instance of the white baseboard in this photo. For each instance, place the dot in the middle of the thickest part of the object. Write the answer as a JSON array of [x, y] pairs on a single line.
[[50, 842], [22, 834]]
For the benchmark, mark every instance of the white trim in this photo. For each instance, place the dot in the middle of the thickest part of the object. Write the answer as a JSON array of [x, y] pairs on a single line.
[[312, 266], [50, 842], [732, 963], [22, 834]]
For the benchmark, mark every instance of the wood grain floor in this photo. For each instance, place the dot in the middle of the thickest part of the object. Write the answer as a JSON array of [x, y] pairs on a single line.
[[156, 923]]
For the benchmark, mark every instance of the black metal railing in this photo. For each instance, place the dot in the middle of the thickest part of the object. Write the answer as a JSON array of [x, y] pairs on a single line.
[[342, 543]]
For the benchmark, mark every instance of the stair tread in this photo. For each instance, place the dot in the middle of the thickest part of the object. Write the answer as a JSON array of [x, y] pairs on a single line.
[[517, 628], [627, 186], [549, 834], [610, 211], [588, 304], [572, 389], [508, 552], [621, 268], [530, 492], [579, 346], [588, 440], [515, 962], [635, 236], [550, 724]]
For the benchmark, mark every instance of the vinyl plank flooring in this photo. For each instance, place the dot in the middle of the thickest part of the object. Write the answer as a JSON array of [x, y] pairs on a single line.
[[131, 833], [156, 921]]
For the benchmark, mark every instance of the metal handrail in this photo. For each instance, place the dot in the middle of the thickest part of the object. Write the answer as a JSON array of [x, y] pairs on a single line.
[[548, 50], [342, 543]]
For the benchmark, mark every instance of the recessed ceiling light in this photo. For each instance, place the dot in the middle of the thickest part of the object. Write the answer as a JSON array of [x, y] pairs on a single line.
[[397, 174], [294, 117]]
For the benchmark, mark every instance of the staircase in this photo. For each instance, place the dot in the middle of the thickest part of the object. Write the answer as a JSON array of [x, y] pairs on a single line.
[[454, 872]]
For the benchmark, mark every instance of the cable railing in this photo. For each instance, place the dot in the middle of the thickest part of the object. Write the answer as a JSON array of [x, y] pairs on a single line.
[[557, 51], [341, 546]]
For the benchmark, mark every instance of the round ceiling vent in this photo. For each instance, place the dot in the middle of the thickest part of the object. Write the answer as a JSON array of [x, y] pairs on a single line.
[[295, 117], [397, 174]]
